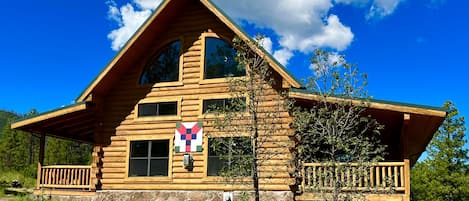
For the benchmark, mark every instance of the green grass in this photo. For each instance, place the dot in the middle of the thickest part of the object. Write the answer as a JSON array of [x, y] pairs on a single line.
[[6, 177]]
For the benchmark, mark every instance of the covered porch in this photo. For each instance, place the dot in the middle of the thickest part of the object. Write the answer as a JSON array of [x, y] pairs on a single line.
[[75, 123], [376, 181]]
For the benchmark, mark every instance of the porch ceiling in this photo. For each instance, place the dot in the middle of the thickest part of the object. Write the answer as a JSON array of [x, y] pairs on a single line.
[[76, 122]]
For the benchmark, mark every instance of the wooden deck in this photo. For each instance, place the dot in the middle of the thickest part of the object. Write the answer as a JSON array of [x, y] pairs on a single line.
[[377, 181]]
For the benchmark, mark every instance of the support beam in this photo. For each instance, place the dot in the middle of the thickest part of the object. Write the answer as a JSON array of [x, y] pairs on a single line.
[[404, 140], [42, 144]]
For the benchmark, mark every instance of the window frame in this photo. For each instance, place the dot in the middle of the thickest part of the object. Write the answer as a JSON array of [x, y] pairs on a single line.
[[164, 179], [206, 150], [148, 157], [202, 80], [203, 115], [178, 101], [152, 55]]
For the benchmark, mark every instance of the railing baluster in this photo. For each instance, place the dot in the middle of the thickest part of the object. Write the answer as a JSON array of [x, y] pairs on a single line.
[[401, 171], [396, 182]]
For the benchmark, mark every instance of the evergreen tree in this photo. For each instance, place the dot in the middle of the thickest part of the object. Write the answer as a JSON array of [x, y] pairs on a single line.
[[65, 152], [14, 151], [444, 174]]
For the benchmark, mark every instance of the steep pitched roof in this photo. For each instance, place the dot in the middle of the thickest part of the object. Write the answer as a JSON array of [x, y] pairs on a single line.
[[165, 7]]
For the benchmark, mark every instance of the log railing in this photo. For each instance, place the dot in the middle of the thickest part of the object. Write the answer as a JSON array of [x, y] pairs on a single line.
[[352, 176], [65, 177]]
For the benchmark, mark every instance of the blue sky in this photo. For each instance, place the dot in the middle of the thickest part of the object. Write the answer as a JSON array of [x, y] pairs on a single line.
[[413, 51]]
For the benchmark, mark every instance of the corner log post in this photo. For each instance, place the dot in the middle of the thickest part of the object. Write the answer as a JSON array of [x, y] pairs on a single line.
[[40, 163]]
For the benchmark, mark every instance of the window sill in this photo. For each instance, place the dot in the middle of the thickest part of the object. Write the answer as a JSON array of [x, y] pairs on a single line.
[[220, 179], [143, 179], [219, 80], [160, 118], [163, 84]]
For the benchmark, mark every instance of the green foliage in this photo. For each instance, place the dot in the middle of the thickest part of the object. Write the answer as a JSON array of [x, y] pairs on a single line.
[[65, 152], [19, 150], [6, 177], [444, 174], [335, 130], [246, 116]]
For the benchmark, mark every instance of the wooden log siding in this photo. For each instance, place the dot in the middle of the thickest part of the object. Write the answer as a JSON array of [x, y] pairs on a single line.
[[119, 118], [65, 177], [379, 176]]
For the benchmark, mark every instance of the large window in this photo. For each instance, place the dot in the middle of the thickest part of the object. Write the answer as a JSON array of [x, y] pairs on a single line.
[[157, 109], [164, 66], [229, 156], [232, 104], [220, 59], [149, 158]]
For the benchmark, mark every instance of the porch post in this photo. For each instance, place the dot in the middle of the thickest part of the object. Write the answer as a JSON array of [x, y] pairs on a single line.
[[407, 179], [40, 163]]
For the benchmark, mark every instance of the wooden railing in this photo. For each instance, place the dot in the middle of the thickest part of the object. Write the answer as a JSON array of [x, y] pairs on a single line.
[[65, 177], [352, 176]]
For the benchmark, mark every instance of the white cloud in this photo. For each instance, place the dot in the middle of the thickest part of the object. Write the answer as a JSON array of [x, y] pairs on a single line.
[[382, 8], [266, 43], [300, 25], [283, 55], [129, 18], [147, 4]]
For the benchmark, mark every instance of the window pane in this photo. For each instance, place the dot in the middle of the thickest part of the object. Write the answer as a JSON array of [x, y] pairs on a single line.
[[159, 167], [138, 167], [169, 108], [214, 166], [164, 67], [211, 105], [232, 153], [220, 60], [147, 109], [139, 149], [160, 148]]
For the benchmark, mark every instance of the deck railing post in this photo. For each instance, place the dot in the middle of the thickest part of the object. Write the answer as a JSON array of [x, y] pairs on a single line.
[[407, 179], [42, 143]]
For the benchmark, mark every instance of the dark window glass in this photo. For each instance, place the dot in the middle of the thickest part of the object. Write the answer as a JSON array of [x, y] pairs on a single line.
[[139, 149], [164, 66], [147, 109], [220, 60], [149, 158], [232, 154], [159, 149], [166, 109], [157, 109], [227, 103]]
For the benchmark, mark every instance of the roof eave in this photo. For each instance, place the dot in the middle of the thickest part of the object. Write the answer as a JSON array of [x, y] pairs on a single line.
[[49, 114], [378, 104]]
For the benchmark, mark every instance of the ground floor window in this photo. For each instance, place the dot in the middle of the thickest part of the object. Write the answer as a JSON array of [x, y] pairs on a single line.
[[229, 155], [149, 158]]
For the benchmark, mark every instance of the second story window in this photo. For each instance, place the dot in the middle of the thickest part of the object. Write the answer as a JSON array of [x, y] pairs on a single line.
[[232, 104], [164, 66], [219, 59], [157, 109]]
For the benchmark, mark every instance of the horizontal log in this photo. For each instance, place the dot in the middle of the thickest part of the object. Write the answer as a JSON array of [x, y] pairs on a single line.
[[217, 186]]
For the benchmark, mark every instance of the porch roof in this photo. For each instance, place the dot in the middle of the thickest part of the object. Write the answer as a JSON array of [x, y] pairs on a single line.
[[74, 122], [408, 127]]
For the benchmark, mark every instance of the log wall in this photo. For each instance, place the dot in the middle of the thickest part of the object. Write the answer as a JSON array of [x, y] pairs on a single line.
[[120, 125]]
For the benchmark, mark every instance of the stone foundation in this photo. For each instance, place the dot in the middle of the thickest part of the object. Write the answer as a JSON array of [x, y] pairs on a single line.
[[128, 195]]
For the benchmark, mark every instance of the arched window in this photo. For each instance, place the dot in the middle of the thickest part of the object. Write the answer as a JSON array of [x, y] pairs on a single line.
[[220, 60], [164, 66]]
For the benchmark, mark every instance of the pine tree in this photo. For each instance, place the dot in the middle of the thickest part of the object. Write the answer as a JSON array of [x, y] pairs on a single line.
[[444, 174]]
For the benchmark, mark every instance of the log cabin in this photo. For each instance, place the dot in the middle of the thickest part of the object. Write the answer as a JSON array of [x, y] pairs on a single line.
[[158, 86]]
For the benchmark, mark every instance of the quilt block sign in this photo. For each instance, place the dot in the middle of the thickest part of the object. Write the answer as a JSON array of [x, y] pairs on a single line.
[[188, 137]]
